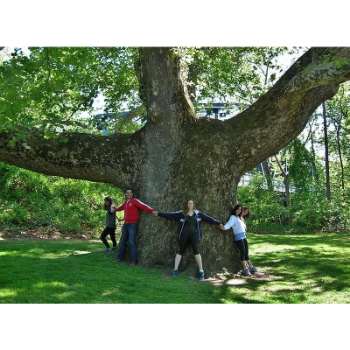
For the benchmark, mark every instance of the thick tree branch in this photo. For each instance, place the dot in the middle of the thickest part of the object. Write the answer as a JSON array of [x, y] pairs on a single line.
[[163, 85], [282, 113], [115, 159]]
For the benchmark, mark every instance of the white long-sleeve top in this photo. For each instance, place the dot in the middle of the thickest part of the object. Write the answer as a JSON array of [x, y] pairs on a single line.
[[238, 226]]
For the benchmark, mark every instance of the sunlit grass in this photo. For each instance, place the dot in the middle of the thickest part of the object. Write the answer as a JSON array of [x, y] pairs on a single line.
[[302, 269]]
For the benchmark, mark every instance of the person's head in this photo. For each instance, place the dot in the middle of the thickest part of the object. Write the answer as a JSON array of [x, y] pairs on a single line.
[[129, 194], [108, 202], [245, 213], [189, 206], [236, 210]]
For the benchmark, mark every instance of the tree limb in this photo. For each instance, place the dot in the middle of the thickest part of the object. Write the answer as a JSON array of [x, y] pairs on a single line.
[[282, 113], [115, 159], [163, 86]]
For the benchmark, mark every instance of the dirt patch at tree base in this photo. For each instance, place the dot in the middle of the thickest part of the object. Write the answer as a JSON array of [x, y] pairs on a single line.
[[228, 279]]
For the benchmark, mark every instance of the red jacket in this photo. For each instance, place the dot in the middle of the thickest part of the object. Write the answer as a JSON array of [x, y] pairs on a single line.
[[131, 209]]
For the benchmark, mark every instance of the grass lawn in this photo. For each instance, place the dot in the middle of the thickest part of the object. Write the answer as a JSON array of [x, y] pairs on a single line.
[[304, 269]]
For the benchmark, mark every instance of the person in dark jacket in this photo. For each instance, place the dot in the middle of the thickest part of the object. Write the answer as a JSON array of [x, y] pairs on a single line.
[[190, 233], [110, 224]]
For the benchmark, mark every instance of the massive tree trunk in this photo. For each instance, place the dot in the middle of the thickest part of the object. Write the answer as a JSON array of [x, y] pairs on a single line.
[[177, 156], [184, 159]]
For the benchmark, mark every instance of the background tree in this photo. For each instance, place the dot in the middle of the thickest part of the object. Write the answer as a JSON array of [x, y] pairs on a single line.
[[338, 113], [326, 151]]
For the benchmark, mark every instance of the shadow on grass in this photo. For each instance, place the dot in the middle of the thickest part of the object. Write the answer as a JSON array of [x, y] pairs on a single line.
[[305, 269], [34, 275]]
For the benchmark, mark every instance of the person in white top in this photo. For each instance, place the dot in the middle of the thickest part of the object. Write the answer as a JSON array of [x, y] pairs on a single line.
[[237, 223], [245, 215]]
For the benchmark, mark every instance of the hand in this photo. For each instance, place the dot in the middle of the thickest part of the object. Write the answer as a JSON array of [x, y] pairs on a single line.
[[221, 227], [155, 212]]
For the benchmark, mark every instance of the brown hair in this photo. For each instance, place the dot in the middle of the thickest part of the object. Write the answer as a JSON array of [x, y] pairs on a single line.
[[185, 207], [246, 216], [233, 211], [109, 200]]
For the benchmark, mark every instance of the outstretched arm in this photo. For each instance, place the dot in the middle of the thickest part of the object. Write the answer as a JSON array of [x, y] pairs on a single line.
[[208, 219], [121, 207], [143, 206], [176, 215], [228, 224]]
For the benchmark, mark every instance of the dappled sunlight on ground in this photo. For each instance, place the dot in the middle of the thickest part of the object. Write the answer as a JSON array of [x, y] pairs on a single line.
[[57, 284], [309, 270], [81, 252], [6, 292], [294, 269]]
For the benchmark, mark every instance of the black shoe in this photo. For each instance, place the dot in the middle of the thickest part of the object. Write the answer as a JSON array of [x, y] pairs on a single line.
[[201, 275], [245, 272], [253, 270]]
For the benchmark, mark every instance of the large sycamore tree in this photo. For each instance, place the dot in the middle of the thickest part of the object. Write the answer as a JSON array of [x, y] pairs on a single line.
[[175, 155]]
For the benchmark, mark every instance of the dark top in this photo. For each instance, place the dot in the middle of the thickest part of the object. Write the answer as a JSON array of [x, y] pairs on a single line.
[[181, 218], [190, 226], [110, 218]]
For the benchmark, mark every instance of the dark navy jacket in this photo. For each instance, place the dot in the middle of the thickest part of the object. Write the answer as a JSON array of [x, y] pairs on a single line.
[[181, 218]]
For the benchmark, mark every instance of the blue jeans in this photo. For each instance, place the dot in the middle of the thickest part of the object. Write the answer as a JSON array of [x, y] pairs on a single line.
[[129, 234]]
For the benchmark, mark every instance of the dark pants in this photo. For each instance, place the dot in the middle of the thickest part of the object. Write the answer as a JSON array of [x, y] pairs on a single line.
[[128, 238], [111, 232], [188, 239], [242, 246]]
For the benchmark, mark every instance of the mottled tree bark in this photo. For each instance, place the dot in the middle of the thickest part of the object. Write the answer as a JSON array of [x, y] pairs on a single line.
[[115, 160], [177, 157]]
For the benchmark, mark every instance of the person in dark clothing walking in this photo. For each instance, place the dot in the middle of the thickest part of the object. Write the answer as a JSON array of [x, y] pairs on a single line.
[[190, 233], [110, 225]]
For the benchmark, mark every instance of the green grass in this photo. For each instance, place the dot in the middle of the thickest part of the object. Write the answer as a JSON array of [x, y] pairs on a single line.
[[304, 269]]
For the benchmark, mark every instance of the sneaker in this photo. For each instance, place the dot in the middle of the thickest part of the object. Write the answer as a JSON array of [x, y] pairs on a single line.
[[107, 250], [175, 273], [201, 275], [245, 272], [253, 270]]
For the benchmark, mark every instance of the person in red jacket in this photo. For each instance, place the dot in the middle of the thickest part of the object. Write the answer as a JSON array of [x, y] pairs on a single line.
[[131, 207]]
